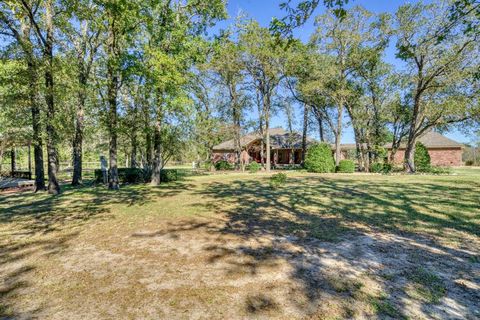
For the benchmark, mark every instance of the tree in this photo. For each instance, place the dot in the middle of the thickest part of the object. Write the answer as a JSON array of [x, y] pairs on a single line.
[[263, 59], [16, 24], [83, 36], [230, 77], [442, 81]]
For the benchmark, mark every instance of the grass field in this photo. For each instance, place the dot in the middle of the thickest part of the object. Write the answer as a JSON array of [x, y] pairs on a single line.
[[229, 246]]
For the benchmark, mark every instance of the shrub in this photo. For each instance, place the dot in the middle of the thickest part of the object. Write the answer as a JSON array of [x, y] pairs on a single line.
[[131, 175], [319, 158], [469, 163], [346, 166], [438, 170], [278, 180], [223, 165], [421, 158], [168, 175], [254, 167], [138, 175], [208, 165], [379, 167]]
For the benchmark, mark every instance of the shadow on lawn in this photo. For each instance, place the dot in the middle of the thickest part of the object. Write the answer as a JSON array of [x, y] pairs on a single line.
[[40, 224], [313, 214]]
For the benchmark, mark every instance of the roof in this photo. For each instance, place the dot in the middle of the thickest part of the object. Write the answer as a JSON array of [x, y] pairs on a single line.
[[431, 140], [434, 139], [279, 139]]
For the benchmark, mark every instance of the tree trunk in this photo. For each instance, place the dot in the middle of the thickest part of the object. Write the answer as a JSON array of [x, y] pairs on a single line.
[[53, 185], [78, 139], [236, 136], [321, 129], [35, 110], [157, 161], [13, 158], [133, 151], [112, 91], [409, 155], [267, 143], [304, 133], [338, 135], [409, 162]]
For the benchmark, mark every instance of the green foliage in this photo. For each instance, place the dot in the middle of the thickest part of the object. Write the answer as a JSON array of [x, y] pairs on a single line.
[[138, 175], [319, 158], [168, 175], [254, 167], [278, 179], [346, 166], [438, 170], [208, 165], [469, 163], [379, 167], [223, 165], [421, 158]]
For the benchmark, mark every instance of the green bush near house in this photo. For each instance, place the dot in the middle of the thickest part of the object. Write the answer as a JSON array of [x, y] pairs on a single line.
[[421, 158], [438, 170], [223, 165], [379, 167], [254, 167], [319, 158], [346, 166], [208, 165], [278, 180]]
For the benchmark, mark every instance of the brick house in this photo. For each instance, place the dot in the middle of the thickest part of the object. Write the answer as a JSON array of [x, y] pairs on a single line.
[[286, 148], [442, 150]]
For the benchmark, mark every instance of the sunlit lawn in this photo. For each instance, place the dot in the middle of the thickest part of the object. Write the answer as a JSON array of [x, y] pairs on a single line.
[[230, 246]]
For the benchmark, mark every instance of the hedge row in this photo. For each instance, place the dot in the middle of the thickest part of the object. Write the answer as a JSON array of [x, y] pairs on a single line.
[[138, 175]]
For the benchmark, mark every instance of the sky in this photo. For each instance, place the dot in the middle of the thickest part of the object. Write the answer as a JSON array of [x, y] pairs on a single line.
[[264, 10]]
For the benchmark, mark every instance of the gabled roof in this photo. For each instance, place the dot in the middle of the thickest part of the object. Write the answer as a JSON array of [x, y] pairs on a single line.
[[279, 139], [434, 139], [431, 140]]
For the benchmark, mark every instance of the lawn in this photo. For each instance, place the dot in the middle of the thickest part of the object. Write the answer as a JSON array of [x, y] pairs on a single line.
[[230, 246]]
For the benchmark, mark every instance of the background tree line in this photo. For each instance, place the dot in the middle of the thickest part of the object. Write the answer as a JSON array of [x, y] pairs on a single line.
[[142, 81]]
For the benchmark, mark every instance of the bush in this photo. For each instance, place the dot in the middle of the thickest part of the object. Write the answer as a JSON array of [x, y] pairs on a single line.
[[254, 167], [208, 165], [223, 165], [438, 170], [346, 166], [168, 175], [319, 158], [138, 175], [379, 167], [469, 163], [131, 175], [278, 180], [421, 158]]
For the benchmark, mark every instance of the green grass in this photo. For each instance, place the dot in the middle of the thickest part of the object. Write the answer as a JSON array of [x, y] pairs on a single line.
[[242, 207], [426, 285]]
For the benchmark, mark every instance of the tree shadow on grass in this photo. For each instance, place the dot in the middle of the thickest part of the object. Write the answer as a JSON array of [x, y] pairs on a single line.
[[318, 223], [38, 225]]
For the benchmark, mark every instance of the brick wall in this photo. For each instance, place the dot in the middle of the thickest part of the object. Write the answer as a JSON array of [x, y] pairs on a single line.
[[439, 157]]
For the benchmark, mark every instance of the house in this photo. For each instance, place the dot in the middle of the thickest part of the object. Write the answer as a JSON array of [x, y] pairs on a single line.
[[442, 150], [286, 147]]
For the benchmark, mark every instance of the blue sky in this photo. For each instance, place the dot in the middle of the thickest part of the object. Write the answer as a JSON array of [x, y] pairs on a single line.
[[264, 10]]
